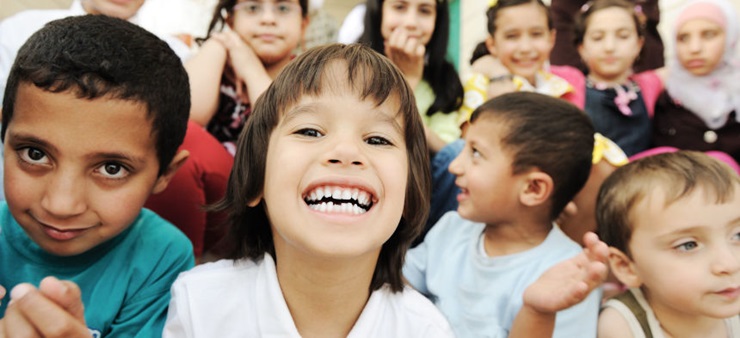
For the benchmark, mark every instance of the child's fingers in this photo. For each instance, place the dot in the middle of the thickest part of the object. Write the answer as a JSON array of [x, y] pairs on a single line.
[[33, 314], [66, 294], [595, 248]]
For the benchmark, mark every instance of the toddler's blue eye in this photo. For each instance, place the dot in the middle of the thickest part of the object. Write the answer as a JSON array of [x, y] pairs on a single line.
[[688, 246]]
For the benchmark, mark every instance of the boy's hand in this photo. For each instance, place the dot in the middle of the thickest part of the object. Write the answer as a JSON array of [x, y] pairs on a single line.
[[54, 310], [569, 282], [407, 53]]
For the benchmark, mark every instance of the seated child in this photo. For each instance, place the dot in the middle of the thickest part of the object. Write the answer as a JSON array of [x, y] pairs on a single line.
[[94, 112], [672, 222], [700, 107], [526, 155], [321, 214]]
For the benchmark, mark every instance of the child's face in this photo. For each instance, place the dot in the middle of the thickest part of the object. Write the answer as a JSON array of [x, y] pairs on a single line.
[[417, 17], [687, 255], [485, 174], [610, 44], [77, 171], [700, 46], [116, 8], [272, 28], [522, 46], [336, 175]]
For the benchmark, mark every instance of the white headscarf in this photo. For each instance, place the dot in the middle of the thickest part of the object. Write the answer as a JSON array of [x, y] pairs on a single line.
[[714, 96]]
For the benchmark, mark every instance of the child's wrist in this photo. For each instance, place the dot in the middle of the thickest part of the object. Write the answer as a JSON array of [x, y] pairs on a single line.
[[500, 78]]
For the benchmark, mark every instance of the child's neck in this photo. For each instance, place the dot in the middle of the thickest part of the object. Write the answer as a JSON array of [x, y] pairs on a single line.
[[320, 292], [677, 324], [510, 238], [274, 69], [611, 81]]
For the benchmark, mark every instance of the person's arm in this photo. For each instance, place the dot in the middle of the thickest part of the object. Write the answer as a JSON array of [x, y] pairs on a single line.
[[248, 68], [53, 310], [560, 287], [612, 325], [204, 71]]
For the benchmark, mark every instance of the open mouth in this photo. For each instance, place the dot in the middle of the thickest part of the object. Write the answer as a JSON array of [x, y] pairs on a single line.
[[334, 199]]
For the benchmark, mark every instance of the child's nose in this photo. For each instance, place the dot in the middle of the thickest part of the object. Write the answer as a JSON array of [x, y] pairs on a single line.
[[726, 260], [64, 196], [346, 153]]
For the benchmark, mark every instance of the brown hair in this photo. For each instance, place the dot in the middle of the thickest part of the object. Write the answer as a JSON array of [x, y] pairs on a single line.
[[372, 77], [676, 175], [581, 19], [547, 133]]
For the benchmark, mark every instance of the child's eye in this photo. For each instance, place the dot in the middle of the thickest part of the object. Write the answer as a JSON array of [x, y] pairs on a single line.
[[475, 152], [736, 236], [378, 141], [33, 155], [686, 246], [113, 170], [709, 34], [682, 37], [283, 8], [310, 132]]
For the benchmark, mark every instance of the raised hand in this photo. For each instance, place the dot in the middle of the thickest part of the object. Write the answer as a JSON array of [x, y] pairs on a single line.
[[569, 282], [53, 310], [407, 53]]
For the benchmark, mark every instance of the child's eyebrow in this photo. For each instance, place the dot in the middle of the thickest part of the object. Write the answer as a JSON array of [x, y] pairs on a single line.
[[14, 137]]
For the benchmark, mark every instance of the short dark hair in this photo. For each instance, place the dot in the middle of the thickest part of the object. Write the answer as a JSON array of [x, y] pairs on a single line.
[[372, 77], [676, 175], [101, 57], [546, 133], [438, 71], [225, 8], [492, 14], [581, 19]]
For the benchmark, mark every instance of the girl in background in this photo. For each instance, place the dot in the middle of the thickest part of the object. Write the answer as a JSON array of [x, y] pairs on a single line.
[[249, 43], [414, 35], [609, 37], [699, 108]]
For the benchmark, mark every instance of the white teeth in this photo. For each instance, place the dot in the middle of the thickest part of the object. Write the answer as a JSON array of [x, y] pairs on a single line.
[[346, 194], [344, 208], [319, 193], [337, 194], [355, 191], [363, 198]]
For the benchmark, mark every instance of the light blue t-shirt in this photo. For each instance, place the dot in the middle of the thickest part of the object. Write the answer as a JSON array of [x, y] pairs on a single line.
[[481, 295], [125, 282]]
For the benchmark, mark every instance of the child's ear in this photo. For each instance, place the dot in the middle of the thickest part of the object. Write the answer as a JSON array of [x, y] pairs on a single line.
[[491, 45], [553, 34], [255, 201], [537, 188], [623, 268], [164, 179]]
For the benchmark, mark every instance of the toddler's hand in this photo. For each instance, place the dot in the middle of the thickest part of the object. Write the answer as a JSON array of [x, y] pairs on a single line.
[[407, 53], [569, 282], [53, 310]]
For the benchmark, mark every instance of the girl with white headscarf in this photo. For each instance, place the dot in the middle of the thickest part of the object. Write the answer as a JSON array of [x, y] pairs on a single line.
[[700, 108]]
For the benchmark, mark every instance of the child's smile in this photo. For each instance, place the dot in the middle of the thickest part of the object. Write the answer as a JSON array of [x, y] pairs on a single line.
[[336, 173], [337, 199]]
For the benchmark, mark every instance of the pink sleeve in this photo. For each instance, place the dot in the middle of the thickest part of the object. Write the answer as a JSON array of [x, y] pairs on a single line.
[[651, 86], [577, 80]]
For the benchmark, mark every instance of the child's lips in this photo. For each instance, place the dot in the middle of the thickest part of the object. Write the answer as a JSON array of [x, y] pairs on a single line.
[[730, 293], [698, 63], [62, 235]]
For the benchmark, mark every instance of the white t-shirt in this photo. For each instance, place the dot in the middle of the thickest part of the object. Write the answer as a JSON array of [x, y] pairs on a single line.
[[243, 299]]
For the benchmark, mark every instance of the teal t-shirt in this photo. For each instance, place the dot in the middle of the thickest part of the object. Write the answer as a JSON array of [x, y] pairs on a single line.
[[125, 282]]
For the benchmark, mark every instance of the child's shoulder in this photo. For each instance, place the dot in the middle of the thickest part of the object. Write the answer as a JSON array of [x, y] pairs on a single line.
[[149, 229], [451, 227], [403, 314], [223, 271]]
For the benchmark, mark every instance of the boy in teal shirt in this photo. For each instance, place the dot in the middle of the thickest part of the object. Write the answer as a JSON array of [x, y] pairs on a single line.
[[94, 112]]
